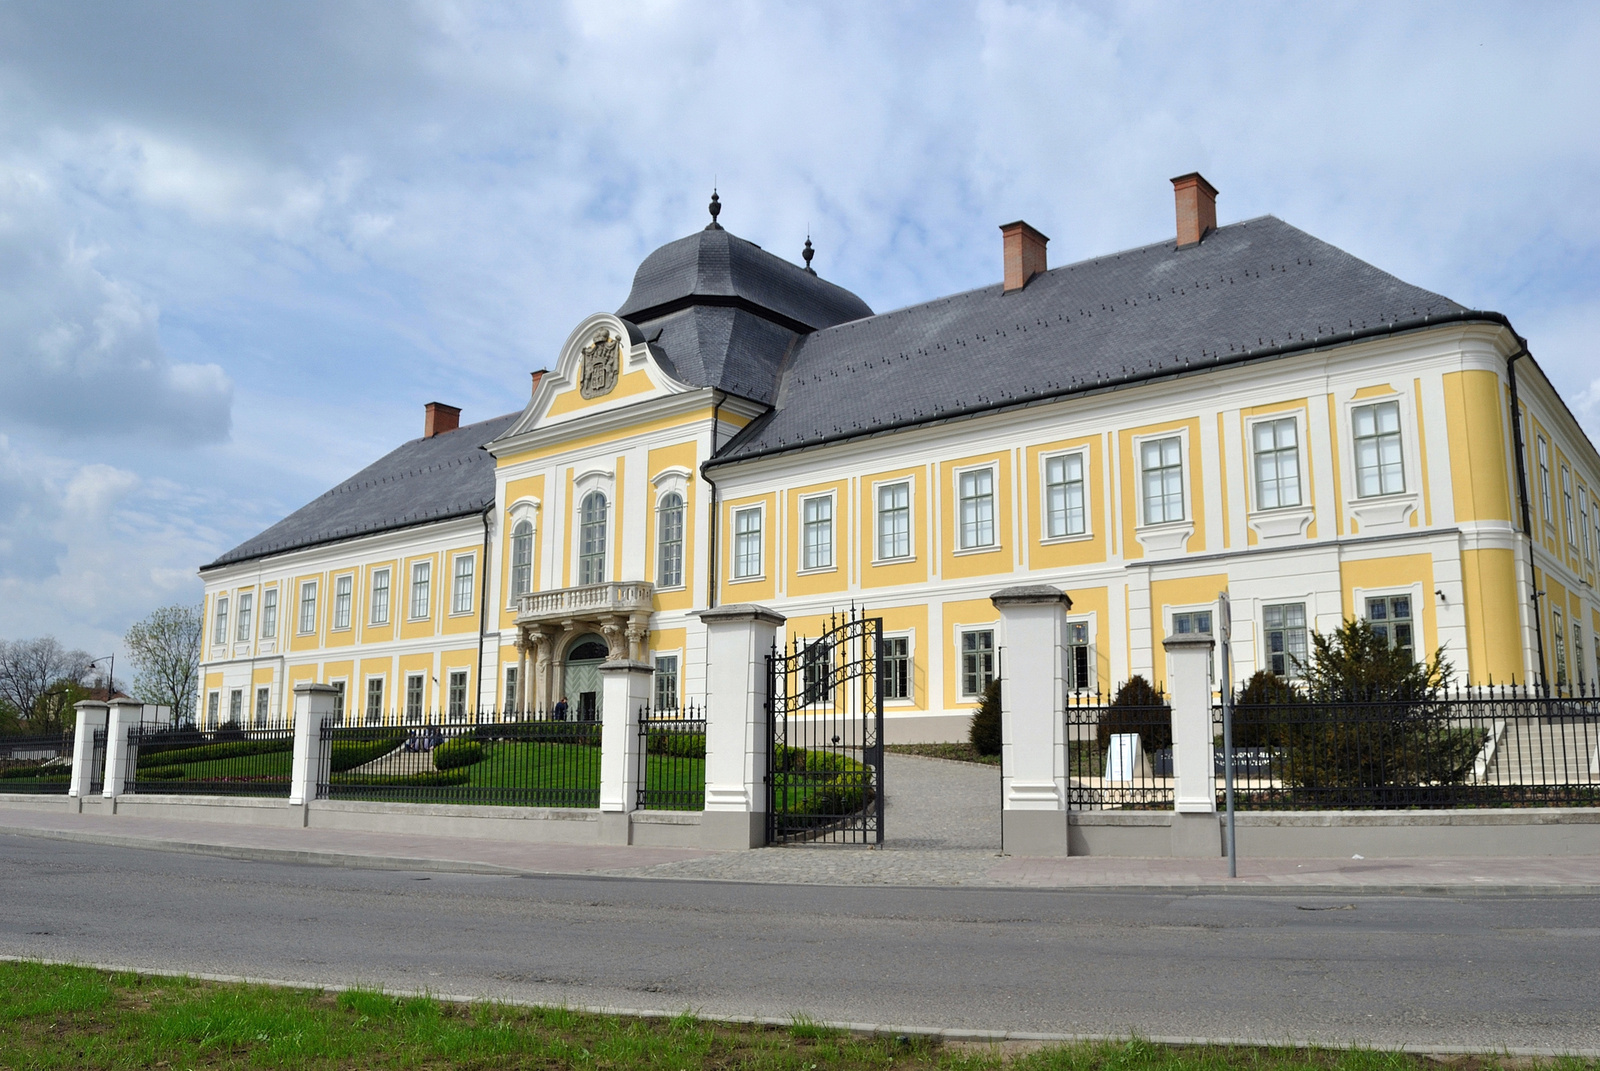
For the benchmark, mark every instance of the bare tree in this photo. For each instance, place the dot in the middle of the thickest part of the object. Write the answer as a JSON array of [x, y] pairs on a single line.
[[165, 648], [39, 678]]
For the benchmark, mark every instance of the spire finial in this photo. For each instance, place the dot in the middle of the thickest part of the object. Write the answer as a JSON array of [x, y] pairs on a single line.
[[716, 209], [807, 253]]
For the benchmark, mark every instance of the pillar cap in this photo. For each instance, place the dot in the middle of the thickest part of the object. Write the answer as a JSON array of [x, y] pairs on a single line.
[[1031, 595], [1203, 640], [84, 704], [626, 665], [123, 701], [741, 611], [313, 688]]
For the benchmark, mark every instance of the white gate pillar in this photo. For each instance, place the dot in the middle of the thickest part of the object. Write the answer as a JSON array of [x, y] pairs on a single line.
[[125, 716], [313, 704], [738, 640], [1196, 831], [1033, 746], [625, 688], [91, 718]]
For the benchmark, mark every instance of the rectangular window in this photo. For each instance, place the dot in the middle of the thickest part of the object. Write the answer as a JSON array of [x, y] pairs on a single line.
[[816, 669], [1390, 617], [746, 543], [1285, 627], [235, 706], [457, 695], [1063, 496], [414, 696], [896, 654], [380, 597], [1194, 621], [1560, 635], [338, 702], [977, 661], [1161, 473], [1583, 524], [817, 534], [212, 702], [1544, 480], [1277, 450], [219, 634], [669, 530], [666, 683], [976, 491], [308, 607], [511, 688], [263, 701], [461, 585], [269, 614], [342, 588], [1566, 507], [421, 589], [1078, 656], [374, 700], [1577, 654], [246, 605], [1379, 470], [894, 521]]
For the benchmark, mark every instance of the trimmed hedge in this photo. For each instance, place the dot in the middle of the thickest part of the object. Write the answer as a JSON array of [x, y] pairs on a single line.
[[33, 771], [682, 745], [348, 754], [162, 773], [436, 778], [231, 749], [453, 754]]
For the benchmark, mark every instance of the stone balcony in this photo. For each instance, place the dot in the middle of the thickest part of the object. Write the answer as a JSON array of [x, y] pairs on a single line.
[[590, 602]]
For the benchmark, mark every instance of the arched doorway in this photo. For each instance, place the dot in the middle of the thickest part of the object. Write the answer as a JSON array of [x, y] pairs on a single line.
[[581, 678]]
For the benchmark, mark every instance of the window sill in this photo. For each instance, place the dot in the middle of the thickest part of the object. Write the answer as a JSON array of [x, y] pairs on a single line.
[[815, 570], [746, 579], [904, 559], [1382, 513], [1169, 539], [460, 613], [1076, 537], [662, 589], [991, 548], [1281, 524]]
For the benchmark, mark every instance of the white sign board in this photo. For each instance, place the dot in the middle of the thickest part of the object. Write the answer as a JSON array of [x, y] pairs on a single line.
[[1122, 757]]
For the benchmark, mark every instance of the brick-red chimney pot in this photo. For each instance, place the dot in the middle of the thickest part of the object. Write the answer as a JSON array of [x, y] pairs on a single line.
[[1024, 254], [1197, 207], [439, 418]]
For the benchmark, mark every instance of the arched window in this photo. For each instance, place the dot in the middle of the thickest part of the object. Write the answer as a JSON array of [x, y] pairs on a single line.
[[522, 558], [592, 539], [669, 540]]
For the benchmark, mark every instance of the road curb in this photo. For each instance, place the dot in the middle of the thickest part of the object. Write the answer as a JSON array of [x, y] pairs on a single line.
[[359, 861]]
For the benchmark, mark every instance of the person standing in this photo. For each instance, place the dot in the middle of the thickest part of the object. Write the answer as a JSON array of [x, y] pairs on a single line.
[[560, 712]]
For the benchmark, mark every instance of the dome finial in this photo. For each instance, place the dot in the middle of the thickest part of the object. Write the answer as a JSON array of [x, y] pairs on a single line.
[[716, 210], [807, 253]]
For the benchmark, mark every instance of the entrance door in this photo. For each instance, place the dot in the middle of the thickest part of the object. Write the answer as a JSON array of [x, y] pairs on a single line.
[[582, 678]]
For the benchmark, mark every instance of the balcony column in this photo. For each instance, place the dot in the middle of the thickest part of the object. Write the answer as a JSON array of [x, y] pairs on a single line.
[[520, 701], [639, 637]]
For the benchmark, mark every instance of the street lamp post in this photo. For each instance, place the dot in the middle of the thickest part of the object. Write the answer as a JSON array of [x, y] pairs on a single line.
[[111, 673]]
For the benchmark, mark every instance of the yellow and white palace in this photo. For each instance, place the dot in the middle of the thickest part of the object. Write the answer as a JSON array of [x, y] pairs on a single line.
[[1240, 408]]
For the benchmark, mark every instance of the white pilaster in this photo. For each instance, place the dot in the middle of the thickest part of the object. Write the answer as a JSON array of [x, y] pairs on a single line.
[[1033, 687], [1195, 830], [313, 704], [625, 689], [121, 761], [91, 718], [738, 640]]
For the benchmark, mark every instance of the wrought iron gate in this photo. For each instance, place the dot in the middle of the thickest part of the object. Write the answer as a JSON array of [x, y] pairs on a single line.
[[825, 716]]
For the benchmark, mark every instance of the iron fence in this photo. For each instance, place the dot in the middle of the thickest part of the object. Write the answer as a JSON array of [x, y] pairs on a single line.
[[97, 762], [420, 718], [39, 763], [1480, 747], [540, 762], [168, 761], [1119, 755], [672, 759]]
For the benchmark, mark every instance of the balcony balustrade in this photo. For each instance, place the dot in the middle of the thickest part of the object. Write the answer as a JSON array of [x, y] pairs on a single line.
[[590, 600]]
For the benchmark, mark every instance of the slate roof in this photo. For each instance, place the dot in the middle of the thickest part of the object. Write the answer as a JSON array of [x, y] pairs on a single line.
[[425, 480], [1250, 290]]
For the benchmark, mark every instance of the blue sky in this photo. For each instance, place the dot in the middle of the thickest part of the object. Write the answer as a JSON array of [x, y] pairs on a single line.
[[241, 245]]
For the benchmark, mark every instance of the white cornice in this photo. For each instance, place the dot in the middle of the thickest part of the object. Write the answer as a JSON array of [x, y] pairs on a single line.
[[621, 419]]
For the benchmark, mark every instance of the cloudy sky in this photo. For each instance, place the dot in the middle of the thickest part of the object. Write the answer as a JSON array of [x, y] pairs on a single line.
[[240, 245]]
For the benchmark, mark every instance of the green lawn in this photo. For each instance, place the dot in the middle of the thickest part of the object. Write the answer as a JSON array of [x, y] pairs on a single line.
[[72, 1017]]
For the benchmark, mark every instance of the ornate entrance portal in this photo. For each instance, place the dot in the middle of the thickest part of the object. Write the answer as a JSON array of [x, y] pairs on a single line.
[[581, 674], [564, 635]]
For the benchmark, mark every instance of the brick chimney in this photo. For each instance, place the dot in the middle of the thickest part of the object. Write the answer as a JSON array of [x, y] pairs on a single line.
[[439, 418], [1197, 207], [1024, 254], [537, 376]]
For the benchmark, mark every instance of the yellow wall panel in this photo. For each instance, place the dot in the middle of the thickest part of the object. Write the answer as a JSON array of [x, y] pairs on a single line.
[[684, 455], [629, 385], [1073, 550], [1494, 632], [764, 586], [956, 563], [913, 570], [1399, 571], [959, 615], [1132, 503], [835, 577]]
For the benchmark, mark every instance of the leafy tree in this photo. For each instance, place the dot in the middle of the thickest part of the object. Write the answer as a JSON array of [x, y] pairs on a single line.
[[985, 730], [1265, 699], [39, 679], [1137, 708], [1355, 664], [165, 648]]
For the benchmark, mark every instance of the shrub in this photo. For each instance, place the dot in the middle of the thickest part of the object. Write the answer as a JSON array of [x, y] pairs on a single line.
[[348, 754], [1265, 699], [1137, 708], [985, 731], [453, 754], [681, 745], [161, 773], [203, 752]]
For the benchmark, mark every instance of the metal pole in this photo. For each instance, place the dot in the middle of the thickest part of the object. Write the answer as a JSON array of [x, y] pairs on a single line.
[[1226, 616]]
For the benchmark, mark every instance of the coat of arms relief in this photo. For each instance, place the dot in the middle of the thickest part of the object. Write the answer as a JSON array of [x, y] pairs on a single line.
[[599, 373]]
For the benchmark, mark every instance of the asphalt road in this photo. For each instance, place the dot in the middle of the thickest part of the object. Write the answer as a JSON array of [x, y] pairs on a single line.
[[1484, 972]]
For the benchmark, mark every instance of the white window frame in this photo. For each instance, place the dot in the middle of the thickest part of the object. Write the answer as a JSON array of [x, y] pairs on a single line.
[[959, 518], [961, 658], [344, 599], [878, 487], [341, 689], [1173, 613], [1291, 417], [241, 629], [425, 565], [1543, 461], [829, 546], [386, 589], [1087, 623], [235, 707], [680, 581], [213, 713], [1566, 506], [366, 698], [1401, 424], [600, 572], [1081, 453], [219, 625], [523, 509], [263, 705], [456, 587], [269, 613], [1558, 633], [453, 710], [1414, 592], [910, 698], [656, 680], [305, 608], [1180, 436], [1291, 671], [422, 698], [1583, 522], [735, 558], [508, 688]]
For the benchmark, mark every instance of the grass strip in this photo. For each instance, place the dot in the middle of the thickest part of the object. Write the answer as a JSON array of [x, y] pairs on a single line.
[[962, 752], [76, 1017]]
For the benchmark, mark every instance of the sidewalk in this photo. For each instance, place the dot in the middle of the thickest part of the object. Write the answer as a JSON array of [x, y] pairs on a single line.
[[815, 865]]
